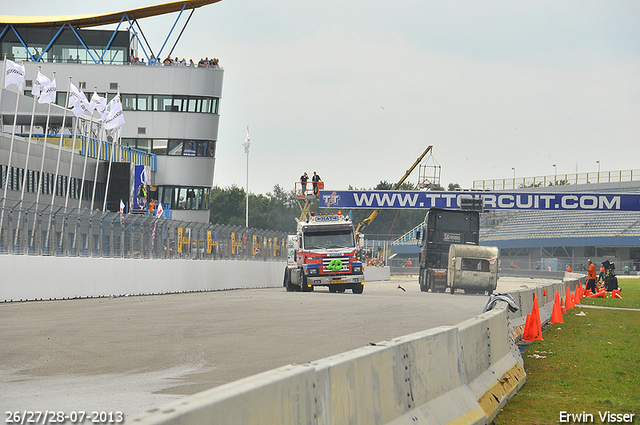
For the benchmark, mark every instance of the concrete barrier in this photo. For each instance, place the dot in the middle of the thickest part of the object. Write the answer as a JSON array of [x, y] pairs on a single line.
[[438, 376], [460, 374], [372, 273], [35, 278]]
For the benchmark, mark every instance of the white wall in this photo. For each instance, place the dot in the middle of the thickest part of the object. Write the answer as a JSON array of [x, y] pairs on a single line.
[[35, 278]]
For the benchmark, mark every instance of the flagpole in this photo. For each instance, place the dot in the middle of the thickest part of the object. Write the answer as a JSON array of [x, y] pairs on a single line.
[[44, 148], [4, 73], [4, 198], [26, 162], [73, 147], [246, 149], [95, 178], [111, 155], [86, 155], [64, 118], [86, 152], [13, 136]]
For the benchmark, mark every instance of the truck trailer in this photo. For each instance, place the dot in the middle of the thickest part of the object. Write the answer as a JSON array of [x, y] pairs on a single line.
[[441, 229]]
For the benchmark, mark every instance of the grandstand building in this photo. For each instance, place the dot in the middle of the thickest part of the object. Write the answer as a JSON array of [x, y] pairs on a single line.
[[172, 114]]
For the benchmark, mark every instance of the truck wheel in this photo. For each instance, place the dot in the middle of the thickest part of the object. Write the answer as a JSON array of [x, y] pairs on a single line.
[[333, 289], [357, 289], [423, 282], [287, 281], [303, 284]]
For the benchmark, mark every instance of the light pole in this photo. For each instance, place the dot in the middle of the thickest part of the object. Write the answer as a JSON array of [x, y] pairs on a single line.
[[555, 174], [514, 176], [598, 162]]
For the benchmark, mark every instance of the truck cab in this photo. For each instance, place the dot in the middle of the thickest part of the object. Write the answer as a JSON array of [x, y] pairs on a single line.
[[323, 252]]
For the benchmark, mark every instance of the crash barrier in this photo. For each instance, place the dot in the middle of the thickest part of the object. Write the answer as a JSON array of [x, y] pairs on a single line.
[[405, 270], [534, 274], [372, 273], [45, 230], [42, 278], [462, 374], [28, 278]]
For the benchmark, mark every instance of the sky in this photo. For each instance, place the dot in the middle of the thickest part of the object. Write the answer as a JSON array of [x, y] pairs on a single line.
[[357, 90]]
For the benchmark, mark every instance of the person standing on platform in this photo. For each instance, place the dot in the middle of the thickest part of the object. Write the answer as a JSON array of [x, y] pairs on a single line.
[[303, 182], [315, 179]]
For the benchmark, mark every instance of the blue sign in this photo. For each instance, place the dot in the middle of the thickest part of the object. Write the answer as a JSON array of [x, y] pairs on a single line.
[[394, 199]]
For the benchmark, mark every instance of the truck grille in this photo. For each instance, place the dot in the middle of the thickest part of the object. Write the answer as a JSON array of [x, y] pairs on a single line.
[[327, 260]]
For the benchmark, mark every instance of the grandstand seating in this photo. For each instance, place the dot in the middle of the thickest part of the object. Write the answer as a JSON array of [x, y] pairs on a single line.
[[561, 224]]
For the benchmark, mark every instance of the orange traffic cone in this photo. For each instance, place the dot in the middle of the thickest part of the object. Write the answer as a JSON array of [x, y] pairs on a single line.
[[533, 327], [562, 307], [556, 315], [576, 295], [616, 294], [568, 301]]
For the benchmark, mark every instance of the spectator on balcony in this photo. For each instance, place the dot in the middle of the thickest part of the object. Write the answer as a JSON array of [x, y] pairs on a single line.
[[167, 61], [153, 60]]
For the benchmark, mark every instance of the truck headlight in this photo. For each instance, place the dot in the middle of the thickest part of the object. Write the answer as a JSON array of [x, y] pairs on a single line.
[[313, 271], [357, 269]]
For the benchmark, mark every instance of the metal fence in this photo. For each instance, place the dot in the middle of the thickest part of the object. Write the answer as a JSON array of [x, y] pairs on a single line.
[[45, 230]]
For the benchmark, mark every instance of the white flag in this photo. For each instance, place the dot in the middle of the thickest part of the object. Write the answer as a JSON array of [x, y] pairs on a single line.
[[159, 211], [114, 116], [48, 93], [40, 82], [99, 103], [78, 101], [121, 209], [247, 142], [14, 75]]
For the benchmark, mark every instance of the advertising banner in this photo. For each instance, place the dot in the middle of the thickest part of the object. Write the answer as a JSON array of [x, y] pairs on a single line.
[[390, 199]]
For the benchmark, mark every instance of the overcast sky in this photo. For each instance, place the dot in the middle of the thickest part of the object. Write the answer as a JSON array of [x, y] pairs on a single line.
[[357, 90]]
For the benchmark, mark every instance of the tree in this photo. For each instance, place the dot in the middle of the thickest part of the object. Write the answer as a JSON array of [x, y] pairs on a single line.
[[454, 186]]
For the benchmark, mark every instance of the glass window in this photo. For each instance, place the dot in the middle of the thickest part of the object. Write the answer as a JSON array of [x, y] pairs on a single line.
[[189, 148], [175, 147], [144, 102], [161, 103], [177, 104], [129, 102], [159, 147], [206, 105], [192, 105], [201, 148], [144, 145], [214, 105], [61, 98], [211, 149], [128, 142]]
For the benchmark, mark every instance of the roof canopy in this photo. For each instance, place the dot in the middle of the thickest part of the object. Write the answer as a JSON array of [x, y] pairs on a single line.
[[81, 21]]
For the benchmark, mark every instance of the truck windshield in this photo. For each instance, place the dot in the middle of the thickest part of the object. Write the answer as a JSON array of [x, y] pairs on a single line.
[[329, 239]]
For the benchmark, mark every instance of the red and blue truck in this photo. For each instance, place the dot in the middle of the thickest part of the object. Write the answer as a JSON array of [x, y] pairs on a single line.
[[323, 252]]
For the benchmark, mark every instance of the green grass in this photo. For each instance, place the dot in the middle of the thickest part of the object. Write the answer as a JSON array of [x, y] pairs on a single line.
[[586, 364]]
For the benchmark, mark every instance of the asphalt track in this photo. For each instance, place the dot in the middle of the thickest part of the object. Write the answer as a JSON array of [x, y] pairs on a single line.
[[130, 354]]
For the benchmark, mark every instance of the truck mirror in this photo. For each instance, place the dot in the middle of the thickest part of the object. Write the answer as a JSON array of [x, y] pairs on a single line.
[[418, 234]]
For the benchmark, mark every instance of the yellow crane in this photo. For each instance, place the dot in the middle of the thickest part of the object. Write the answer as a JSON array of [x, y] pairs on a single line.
[[364, 223]]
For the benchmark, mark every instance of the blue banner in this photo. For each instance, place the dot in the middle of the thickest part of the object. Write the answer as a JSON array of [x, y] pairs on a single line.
[[390, 199]]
